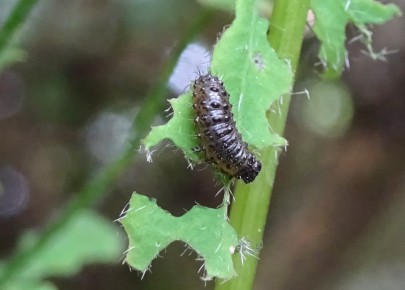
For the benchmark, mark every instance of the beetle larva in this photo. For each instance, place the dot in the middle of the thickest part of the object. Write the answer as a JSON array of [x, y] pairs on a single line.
[[218, 136]]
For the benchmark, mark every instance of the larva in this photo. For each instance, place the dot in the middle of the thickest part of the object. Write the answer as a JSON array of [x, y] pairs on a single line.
[[219, 139]]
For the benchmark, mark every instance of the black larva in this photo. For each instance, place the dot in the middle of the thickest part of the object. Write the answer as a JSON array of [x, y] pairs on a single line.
[[218, 137]]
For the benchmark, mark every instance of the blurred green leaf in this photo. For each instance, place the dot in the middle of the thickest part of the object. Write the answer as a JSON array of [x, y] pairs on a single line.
[[87, 238], [332, 16], [151, 229], [29, 285], [11, 56]]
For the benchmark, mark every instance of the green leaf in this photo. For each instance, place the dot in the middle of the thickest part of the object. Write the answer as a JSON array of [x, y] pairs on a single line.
[[31, 285], [150, 229], [253, 74], [87, 238], [264, 6], [254, 77], [180, 128], [371, 12], [332, 16]]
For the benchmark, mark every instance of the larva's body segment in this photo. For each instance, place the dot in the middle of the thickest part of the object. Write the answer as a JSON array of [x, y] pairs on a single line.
[[219, 139]]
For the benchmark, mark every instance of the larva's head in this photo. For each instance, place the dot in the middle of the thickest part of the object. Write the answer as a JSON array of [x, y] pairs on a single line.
[[249, 173]]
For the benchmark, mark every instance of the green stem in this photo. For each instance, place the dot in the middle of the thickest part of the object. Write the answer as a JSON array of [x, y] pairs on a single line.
[[249, 211], [98, 186], [16, 17]]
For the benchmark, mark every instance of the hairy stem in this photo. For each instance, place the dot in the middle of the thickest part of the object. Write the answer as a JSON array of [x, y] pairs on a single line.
[[249, 211], [98, 186]]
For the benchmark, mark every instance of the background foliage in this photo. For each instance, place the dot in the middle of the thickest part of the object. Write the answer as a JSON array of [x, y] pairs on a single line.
[[66, 112]]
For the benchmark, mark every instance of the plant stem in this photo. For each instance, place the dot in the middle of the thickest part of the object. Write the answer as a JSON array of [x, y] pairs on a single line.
[[98, 186], [249, 211], [16, 17]]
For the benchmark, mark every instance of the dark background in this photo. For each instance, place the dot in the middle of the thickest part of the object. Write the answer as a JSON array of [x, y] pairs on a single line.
[[337, 213]]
